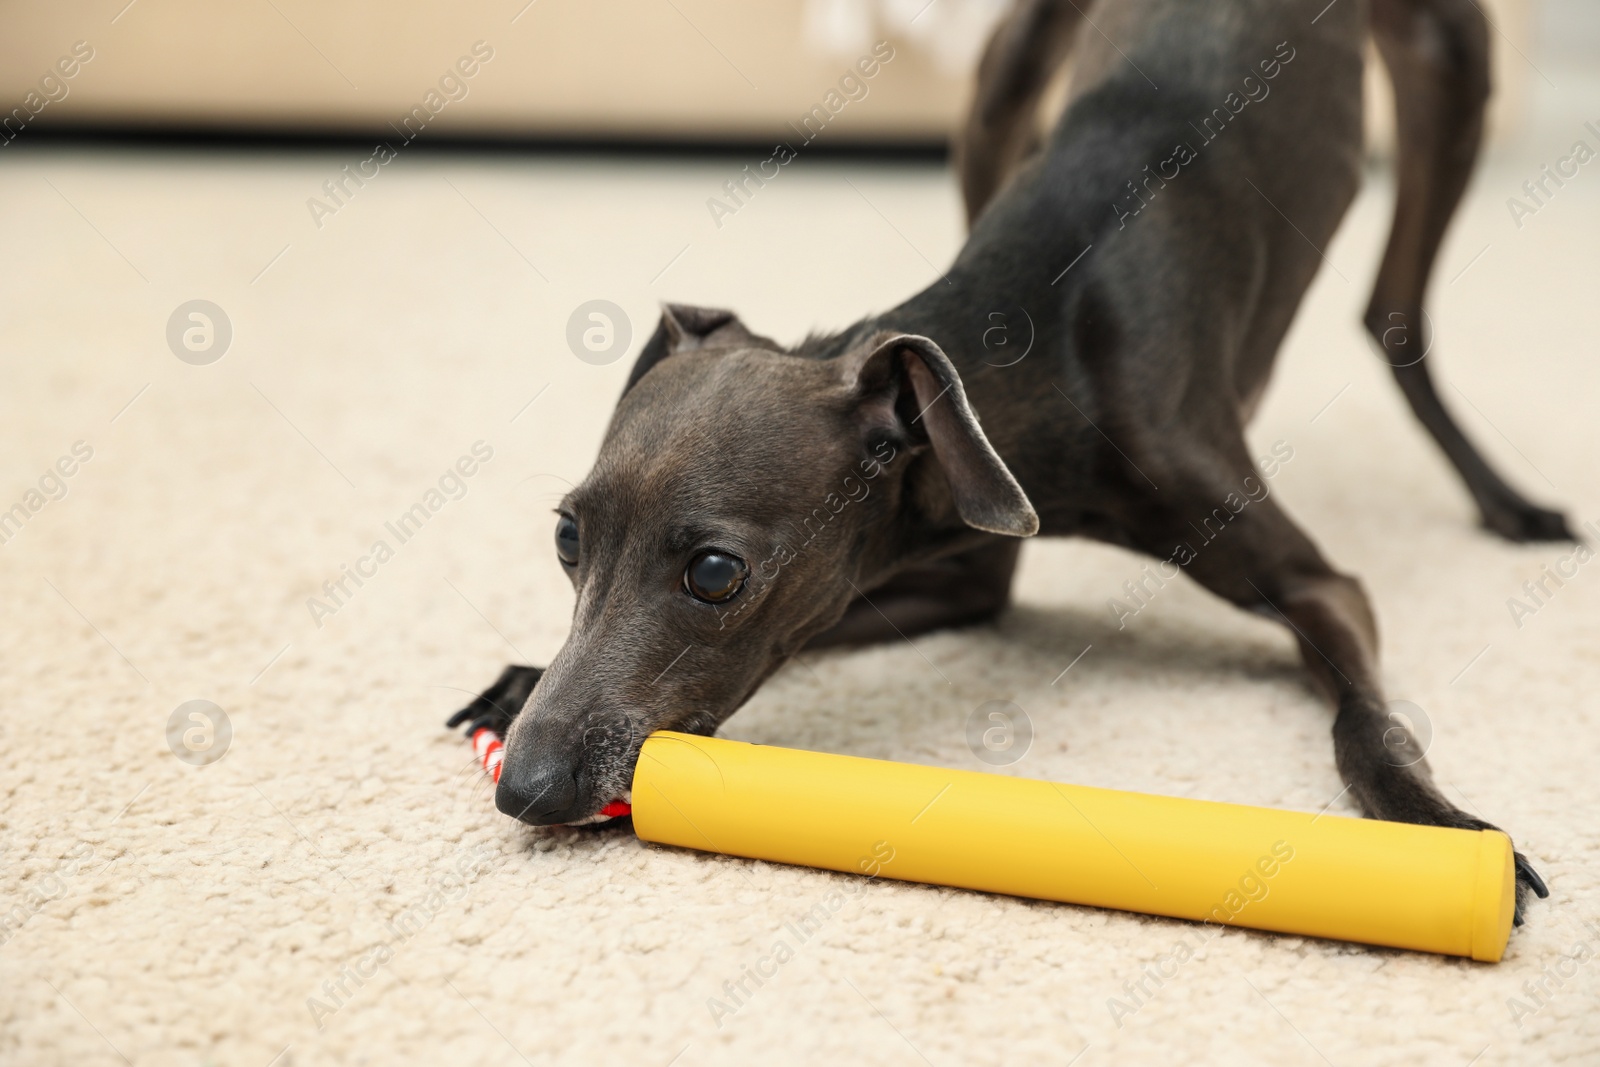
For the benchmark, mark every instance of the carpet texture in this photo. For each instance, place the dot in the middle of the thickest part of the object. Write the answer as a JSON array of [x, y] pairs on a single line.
[[338, 887]]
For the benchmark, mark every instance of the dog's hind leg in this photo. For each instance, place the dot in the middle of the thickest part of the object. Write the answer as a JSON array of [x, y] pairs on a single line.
[[1437, 54], [1002, 125], [959, 590], [1244, 548]]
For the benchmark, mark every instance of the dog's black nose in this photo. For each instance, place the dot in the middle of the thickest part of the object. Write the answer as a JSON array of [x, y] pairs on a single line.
[[541, 796]]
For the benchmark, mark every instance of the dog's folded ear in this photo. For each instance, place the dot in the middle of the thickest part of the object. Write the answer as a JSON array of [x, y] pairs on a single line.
[[908, 379], [684, 328]]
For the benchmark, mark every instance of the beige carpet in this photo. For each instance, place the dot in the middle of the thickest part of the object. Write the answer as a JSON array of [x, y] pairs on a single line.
[[339, 889]]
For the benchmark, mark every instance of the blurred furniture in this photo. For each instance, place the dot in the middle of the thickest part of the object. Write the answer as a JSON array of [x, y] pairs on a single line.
[[699, 70]]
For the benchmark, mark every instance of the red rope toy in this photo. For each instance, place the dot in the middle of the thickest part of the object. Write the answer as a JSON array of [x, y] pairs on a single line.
[[491, 752]]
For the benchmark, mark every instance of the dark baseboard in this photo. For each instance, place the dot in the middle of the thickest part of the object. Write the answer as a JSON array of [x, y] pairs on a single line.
[[268, 139]]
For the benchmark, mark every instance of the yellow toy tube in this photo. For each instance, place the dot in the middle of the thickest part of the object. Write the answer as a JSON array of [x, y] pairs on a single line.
[[1382, 883]]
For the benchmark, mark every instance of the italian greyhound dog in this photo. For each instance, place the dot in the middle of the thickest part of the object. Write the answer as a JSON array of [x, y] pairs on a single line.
[[751, 500]]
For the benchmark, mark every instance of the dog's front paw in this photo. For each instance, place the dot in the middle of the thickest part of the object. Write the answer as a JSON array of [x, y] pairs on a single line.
[[1528, 880], [1524, 522], [497, 705]]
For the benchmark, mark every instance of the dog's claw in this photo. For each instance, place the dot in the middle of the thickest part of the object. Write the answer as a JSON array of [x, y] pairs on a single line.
[[486, 722], [1527, 874], [1528, 880]]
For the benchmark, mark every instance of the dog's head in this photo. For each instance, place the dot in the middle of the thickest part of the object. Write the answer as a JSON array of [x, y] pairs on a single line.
[[742, 497]]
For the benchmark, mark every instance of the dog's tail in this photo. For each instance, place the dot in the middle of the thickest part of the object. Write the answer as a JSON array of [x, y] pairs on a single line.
[[1002, 128]]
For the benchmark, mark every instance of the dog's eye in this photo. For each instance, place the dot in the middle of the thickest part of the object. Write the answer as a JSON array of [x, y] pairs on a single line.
[[715, 576], [567, 540]]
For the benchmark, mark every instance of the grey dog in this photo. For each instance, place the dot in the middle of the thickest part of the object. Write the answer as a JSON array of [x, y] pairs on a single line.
[[751, 499]]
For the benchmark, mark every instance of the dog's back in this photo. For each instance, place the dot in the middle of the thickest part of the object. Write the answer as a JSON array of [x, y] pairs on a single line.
[[1225, 132], [1177, 59]]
